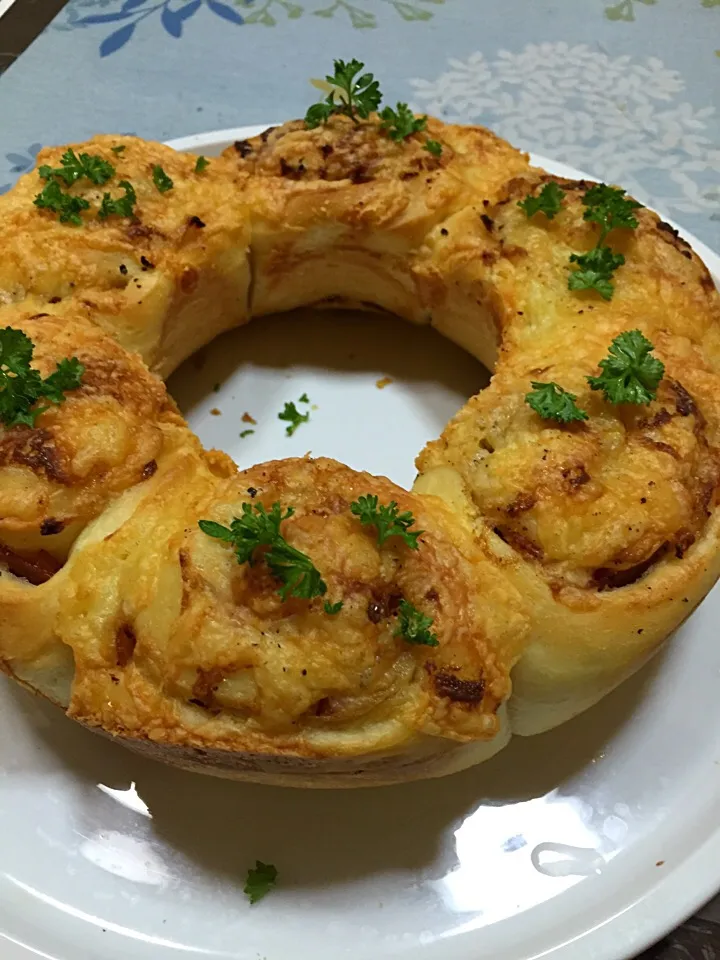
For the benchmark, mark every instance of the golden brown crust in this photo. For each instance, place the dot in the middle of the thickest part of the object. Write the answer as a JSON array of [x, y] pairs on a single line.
[[596, 514], [565, 554], [188, 646], [340, 210], [146, 279], [107, 435]]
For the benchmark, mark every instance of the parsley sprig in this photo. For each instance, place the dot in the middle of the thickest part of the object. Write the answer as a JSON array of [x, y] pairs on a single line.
[[401, 123], [259, 528], [73, 167], [67, 206], [612, 210], [120, 206], [414, 626], [629, 373], [388, 520], [22, 387], [548, 201], [293, 416], [355, 95], [260, 881], [161, 180], [552, 402]]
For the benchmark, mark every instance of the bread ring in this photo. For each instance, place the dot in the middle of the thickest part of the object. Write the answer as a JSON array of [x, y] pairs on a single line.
[[554, 559]]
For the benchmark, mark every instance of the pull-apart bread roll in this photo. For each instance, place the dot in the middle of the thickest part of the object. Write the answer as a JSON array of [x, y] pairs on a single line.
[[197, 659], [338, 211], [299, 622], [164, 280], [608, 526]]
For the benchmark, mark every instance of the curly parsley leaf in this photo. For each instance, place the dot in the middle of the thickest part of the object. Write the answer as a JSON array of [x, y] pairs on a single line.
[[67, 207], [304, 398], [202, 163], [629, 373], [299, 576], [354, 95], [548, 201], [609, 207], [119, 149], [294, 417], [257, 527], [434, 147], [552, 402], [72, 168], [414, 626], [67, 376], [388, 520], [612, 210], [401, 123], [595, 271], [260, 881], [161, 180], [121, 206], [333, 608], [320, 112], [21, 386]]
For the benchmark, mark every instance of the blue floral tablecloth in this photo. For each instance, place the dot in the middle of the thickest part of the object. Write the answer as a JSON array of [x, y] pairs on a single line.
[[628, 91]]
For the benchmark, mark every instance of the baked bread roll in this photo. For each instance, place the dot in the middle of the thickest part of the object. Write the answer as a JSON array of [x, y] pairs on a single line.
[[554, 558], [197, 659], [608, 526], [146, 278]]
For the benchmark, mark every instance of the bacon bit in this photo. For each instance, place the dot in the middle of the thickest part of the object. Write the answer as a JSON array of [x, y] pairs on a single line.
[[457, 689], [684, 403], [576, 476], [520, 543], [383, 382], [659, 445], [246, 418], [521, 503], [149, 469], [125, 642], [37, 568], [685, 539], [206, 683], [607, 579], [659, 419], [383, 606], [51, 526]]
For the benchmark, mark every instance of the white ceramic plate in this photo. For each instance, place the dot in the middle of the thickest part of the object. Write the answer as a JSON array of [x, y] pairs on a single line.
[[590, 841]]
